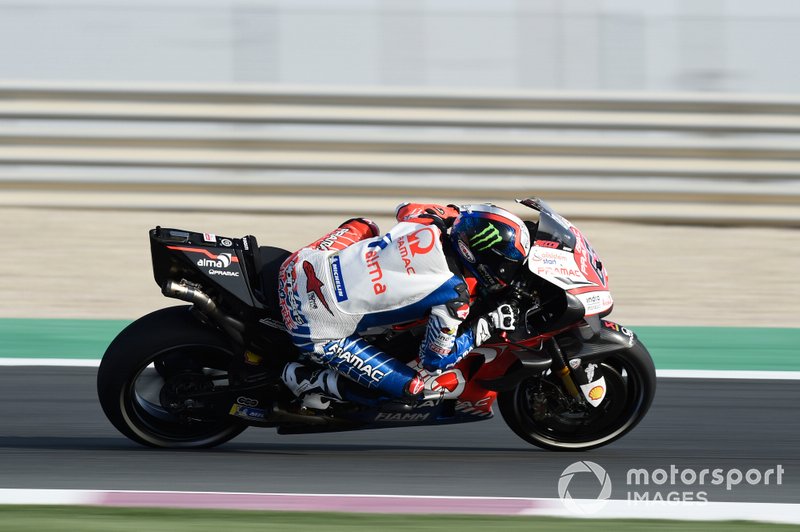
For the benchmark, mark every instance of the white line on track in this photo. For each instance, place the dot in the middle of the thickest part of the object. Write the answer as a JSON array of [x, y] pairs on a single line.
[[709, 374], [411, 504], [676, 510], [706, 374], [56, 362]]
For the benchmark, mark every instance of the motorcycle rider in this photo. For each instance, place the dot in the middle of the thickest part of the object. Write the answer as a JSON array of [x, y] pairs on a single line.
[[353, 279]]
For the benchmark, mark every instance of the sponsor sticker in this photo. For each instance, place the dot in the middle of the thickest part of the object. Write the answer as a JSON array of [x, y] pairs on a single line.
[[482, 332], [248, 412], [223, 260], [213, 262], [594, 302], [590, 369], [398, 416], [223, 273], [448, 385], [210, 237], [619, 328], [226, 242], [375, 271], [338, 281], [447, 381], [411, 246], [416, 386], [375, 374], [587, 259], [487, 238], [594, 392], [290, 308], [246, 401], [327, 243], [314, 285], [463, 248], [555, 272], [421, 242], [551, 256]]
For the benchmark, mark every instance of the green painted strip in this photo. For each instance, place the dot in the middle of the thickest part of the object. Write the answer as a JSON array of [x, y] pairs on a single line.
[[723, 348], [56, 338], [672, 347]]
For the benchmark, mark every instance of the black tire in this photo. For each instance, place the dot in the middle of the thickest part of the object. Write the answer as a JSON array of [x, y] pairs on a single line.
[[633, 396], [165, 333]]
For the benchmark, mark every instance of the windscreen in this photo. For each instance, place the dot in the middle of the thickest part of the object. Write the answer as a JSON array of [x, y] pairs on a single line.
[[551, 229]]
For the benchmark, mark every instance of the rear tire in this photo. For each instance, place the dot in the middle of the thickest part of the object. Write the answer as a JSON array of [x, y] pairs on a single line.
[[627, 401], [164, 335]]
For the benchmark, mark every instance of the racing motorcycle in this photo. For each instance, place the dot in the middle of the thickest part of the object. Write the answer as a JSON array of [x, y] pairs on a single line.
[[197, 375]]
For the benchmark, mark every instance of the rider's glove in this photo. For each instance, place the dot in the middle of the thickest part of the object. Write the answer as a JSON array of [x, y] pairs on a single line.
[[503, 318], [441, 218]]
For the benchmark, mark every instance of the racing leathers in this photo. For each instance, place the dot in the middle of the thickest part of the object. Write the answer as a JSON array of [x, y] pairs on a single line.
[[353, 280]]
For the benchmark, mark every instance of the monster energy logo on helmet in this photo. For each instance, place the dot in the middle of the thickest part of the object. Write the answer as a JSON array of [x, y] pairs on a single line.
[[486, 238]]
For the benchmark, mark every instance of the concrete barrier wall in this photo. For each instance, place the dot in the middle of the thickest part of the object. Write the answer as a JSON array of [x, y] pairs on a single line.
[[697, 158]]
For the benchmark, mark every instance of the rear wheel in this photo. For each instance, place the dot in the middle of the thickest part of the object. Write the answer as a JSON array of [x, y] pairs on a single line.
[[157, 378], [542, 413]]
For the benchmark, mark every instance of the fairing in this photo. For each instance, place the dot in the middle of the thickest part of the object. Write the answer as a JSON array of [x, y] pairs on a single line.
[[561, 255]]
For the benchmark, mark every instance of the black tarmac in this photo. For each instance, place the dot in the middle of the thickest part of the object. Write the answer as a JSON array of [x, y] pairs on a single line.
[[54, 435]]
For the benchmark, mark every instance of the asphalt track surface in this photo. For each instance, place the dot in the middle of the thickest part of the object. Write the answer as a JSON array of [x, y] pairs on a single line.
[[54, 435]]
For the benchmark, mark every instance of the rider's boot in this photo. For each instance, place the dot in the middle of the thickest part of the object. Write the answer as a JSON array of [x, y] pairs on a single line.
[[314, 387]]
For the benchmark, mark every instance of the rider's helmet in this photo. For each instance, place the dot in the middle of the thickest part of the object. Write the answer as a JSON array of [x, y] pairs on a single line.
[[491, 242]]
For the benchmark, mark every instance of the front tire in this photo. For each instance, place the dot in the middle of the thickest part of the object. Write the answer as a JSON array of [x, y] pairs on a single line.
[[631, 382], [133, 372]]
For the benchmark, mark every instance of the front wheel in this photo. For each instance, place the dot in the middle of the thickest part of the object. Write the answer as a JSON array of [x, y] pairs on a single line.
[[152, 366], [541, 413]]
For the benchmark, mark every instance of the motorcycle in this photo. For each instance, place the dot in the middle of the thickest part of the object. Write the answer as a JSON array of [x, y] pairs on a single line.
[[198, 375]]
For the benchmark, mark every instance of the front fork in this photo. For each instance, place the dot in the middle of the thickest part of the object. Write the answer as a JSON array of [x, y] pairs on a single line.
[[561, 368]]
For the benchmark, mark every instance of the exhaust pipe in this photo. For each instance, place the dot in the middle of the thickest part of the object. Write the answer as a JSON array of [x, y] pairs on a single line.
[[206, 305]]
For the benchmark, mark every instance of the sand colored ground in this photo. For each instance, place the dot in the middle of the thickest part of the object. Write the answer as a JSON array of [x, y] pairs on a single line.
[[96, 264]]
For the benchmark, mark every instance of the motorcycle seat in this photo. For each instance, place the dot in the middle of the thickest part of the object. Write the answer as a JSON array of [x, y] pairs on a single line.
[[263, 264], [267, 265]]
